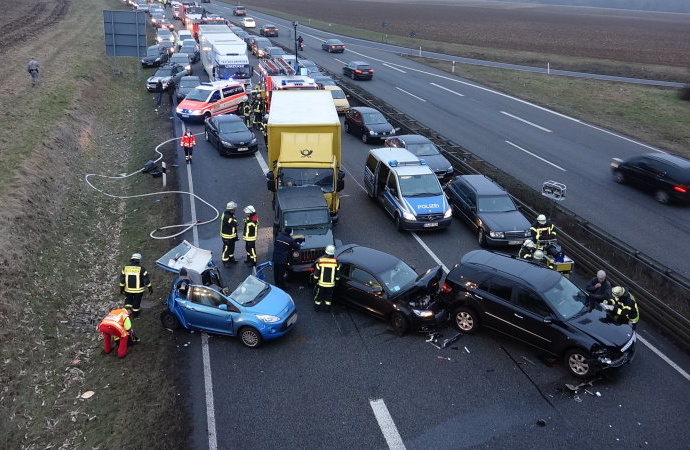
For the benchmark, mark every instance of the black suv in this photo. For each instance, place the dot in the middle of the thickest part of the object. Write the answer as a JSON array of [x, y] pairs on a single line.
[[304, 209], [667, 176], [539, 307], [488, 209]]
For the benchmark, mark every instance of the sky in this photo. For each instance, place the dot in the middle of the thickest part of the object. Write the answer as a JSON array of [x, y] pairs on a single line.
[[677, 6]]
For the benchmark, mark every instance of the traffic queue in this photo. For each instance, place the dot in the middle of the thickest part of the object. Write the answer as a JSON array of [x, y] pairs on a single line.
[[527, 296]]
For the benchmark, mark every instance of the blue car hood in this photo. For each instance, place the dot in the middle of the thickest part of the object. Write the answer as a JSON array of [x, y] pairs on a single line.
[[276, 303], [427, 205]]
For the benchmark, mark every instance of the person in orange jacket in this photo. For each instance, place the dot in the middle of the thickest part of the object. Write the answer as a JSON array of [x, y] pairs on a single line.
[[188, 142], [117, 326]]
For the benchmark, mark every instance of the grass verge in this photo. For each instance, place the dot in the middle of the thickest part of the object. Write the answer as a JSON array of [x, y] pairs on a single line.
[[65, 245]]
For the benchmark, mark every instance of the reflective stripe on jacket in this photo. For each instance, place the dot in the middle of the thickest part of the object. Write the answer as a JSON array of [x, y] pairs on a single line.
[[251, 228], [188, 141], [228, 226], [119, 320], [134, 279], [326, 271]]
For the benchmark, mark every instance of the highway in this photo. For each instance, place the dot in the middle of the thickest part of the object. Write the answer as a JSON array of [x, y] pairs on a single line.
[[344, 380]]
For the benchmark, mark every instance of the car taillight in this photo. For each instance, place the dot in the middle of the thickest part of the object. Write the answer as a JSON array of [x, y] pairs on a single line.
[[371, 70], [681, 189], [358, 71], [446, 289]]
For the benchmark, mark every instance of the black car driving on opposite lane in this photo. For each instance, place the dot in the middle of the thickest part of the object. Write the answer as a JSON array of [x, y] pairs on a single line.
[[333, 46], [423, 148], [368, 124], [666, 176], [358, 70], [539, 307], [230, 135], [385, 287], [488, 209]]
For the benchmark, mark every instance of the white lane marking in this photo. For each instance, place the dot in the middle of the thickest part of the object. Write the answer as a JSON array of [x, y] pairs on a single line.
[[448, 90], [394, 68], [388, 428], [668, 361], [262, 162], [208, 384], [205, 356], [410, 94], [536, 156], [428, 250], [525, 102], [340, 61], [526, 121]]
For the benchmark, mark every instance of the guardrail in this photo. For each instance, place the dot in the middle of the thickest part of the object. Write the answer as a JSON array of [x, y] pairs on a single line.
[[661, 293]]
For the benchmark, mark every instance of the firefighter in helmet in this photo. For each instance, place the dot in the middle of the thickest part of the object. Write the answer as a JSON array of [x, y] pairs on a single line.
[[326, 274], [251, 231], [228, 234]]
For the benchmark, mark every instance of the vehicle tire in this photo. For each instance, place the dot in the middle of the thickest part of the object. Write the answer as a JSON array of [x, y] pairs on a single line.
[[398, 223], [169, 321], [347, 128], [250, 337], [618, 177], [662, 197], [399, 323], [578, 362], [481, 237], [465, 320], [365, 137], [206, 135]]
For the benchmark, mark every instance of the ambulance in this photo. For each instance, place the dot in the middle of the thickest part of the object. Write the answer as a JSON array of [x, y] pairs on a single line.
[[210, 99]]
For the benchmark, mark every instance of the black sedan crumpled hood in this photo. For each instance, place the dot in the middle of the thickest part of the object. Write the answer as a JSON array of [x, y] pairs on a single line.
[[504, 221], [241, 138], [597, 324], [429, 282]]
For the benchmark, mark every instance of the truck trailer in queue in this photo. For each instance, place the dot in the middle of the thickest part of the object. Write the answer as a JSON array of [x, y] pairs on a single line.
[[224, 55]]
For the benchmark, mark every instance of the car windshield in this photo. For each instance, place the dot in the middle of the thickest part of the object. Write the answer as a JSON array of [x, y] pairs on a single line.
[[307, 177], [398, 277], [153, 52], [373, 118], [179, 59], [250, 292], [232, 127], [419, 185], [566, 299], [501, 203], [311, 217], [164, 33], [163, 72], [198, 95], [422, 149], [188, 50], [241, 72], [189, 83], [337, 93], [194, 10]]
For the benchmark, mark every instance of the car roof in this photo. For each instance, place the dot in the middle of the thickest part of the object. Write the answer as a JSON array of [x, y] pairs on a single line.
[[482, 184], [367, 258], [190, 77], [668, 158], [299, 197], [539, 278], [228, 118], [216, 84], [413, 139], [359, 63], [400, 155], [365, 109]]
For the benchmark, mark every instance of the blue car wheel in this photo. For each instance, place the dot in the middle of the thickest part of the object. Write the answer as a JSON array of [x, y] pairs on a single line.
[[169, 321], [250, 337]]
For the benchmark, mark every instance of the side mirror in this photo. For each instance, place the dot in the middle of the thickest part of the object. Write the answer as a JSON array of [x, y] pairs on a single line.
[[223, 307], [339, 185], [270, 182]]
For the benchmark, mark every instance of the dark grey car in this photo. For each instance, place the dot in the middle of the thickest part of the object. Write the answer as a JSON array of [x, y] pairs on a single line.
[[488, 209], [230, 135], [368, 124], [185, 85], [422, 147], [155, 56], [666, 176]]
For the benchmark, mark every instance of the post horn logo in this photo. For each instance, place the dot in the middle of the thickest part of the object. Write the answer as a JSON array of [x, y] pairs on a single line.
[[306, 153]]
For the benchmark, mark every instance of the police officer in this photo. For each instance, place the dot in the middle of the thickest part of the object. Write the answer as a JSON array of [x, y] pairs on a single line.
[[542, 230], [527, 249], [228, 233], [622, 306], [283, 245], [134, 280], [251, 231], [325, 274]]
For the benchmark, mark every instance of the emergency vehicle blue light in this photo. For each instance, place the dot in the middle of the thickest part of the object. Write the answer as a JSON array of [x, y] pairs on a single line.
[[393, 163], [284, 82]]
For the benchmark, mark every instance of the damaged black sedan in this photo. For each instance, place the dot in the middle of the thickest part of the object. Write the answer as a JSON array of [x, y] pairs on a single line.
[[387, 288]]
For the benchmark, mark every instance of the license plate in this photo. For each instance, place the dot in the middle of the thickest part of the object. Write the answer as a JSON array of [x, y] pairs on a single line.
[[242, 149], [292, 319], [430, 225], [514, 242], [186, 116]]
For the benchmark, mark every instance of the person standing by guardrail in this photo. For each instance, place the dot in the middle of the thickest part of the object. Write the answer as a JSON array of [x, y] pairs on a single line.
[[599, 288], [622, 306], [33, 67]]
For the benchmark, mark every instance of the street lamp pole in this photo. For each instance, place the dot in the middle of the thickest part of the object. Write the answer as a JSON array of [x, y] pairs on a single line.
[[294, 25]]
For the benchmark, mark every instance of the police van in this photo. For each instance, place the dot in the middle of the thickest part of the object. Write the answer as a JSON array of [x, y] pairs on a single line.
[[210, 99], [407, 188]]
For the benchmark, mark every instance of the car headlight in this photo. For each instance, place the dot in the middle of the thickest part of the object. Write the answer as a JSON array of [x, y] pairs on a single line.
[[227, 144], [392, 131], [253, 141], [497, 234], [448, 213], [409, 216], [449, 170], [423, 313], [197, 112], [158, 59], [372, 132], [267, 318]]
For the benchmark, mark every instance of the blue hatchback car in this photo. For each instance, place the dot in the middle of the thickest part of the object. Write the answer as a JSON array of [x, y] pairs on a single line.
[[255, 311]]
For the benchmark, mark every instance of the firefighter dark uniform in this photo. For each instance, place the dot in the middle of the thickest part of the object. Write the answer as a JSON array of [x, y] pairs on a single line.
[[188, 142], [251, 231], [228, 233], [622, 306], [261, 127], [542, 230], [527, 249], [134, 280], [244, 110], [116, 326], [325, 274], [257, 111]]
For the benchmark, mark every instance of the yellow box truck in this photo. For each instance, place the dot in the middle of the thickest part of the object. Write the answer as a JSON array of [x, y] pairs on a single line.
[[304, 144]]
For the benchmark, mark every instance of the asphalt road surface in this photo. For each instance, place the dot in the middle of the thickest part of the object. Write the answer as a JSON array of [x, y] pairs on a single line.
[[344, 380]]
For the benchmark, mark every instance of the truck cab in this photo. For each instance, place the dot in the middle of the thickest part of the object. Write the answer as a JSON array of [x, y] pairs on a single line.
[[305, 210], [407, 189]]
